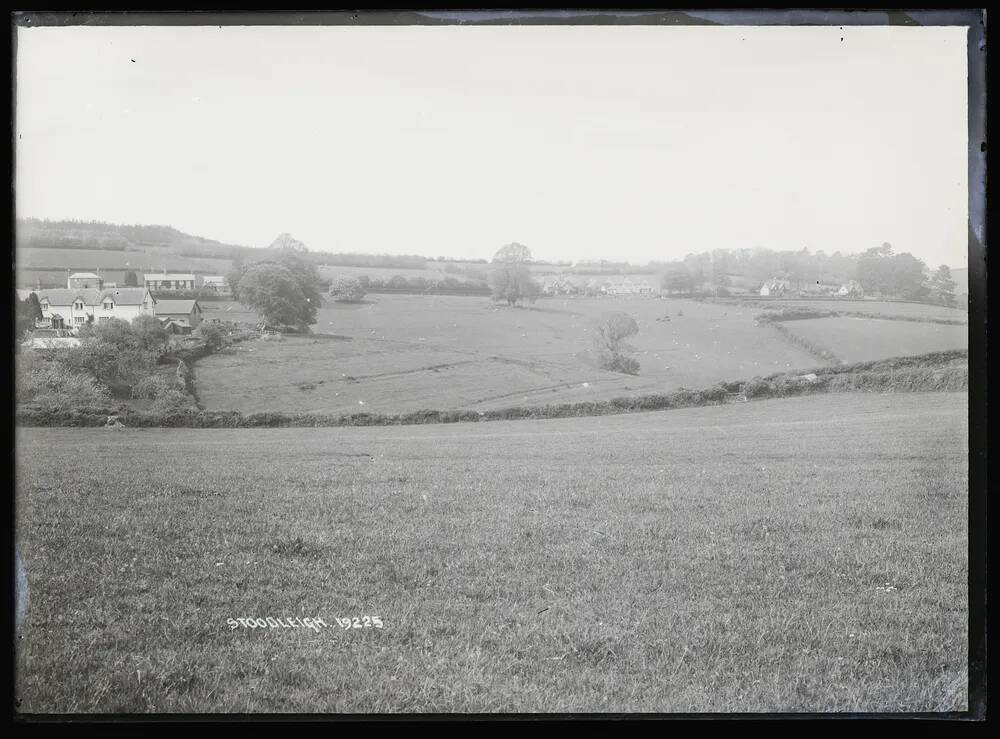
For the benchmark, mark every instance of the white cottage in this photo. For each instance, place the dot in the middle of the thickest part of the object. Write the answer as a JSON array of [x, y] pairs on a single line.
[[72, 308]]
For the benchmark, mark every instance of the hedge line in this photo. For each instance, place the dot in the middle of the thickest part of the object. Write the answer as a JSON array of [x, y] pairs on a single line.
[[938, 371]]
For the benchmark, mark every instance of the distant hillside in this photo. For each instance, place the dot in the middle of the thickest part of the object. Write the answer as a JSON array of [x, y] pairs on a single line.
[[33, 233]]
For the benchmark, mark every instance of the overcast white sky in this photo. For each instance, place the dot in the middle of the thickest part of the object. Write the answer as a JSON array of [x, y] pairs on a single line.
[[635, 142]]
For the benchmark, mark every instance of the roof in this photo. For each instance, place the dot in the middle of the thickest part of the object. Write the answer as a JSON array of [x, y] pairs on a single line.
[[90, 296], [68, 296], [173, 276], [177, 321], [84, 276], [176, 306], [127, 295]]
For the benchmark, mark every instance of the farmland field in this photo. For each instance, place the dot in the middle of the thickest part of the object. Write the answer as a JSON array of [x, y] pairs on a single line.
[[446, 352], [863, 339], [51, 264], [401, 353], [806, 554], [874, 308]]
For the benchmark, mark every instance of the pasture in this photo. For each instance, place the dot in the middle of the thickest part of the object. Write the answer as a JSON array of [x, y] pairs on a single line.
[[855, 339], [52, 264], [873, 308], [805, 554], [398, 353], [401, 353]]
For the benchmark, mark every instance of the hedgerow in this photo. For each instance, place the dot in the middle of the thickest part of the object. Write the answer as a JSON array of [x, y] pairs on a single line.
[[935, 372]]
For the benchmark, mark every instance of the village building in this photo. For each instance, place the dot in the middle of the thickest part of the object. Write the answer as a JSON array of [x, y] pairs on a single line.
[[851, 289], [217, 284], [775, 288], [559, 285], [85, 281], [72, 308], [166, 282], [178, 316], [627, 286]]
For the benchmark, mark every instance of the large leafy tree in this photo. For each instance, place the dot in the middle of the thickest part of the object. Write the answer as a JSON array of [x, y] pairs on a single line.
[[510, 275], [273, 291], [28, 310], [942, 286]]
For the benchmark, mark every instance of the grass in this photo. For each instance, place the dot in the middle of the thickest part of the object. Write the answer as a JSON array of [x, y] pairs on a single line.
[[805, 554], [873, 308], [863, 339], [408, 353], [152, 259]]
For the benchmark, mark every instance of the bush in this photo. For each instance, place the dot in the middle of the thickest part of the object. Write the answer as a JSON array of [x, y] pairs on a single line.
[[54, 387], [151, 387], [172, 400], [347, 290], [213, 336]]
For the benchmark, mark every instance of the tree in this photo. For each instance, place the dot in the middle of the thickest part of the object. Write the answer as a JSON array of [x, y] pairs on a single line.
[[131, 279], [347, 290], [212, 335], [942, 286], [305, 274], [287, 241], [677, 278], [272, 291], [896, 275], [510, 277], [610, 345], [234, 275], [150, 332], [28, 310]]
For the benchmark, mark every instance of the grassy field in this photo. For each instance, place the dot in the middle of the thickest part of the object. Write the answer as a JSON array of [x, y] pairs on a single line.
[[51, 264], [863, 339], [874, 308], [804, 554], [401, 353]]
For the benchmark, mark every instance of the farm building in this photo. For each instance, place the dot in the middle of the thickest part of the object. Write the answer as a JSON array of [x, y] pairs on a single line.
[[628, 286], [165, 282], [560, 285], [217, 284], [72, 308], [84, 280], [179, 316], [852, 289], [775, 288]]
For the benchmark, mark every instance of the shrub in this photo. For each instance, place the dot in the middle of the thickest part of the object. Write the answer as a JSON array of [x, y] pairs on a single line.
[[212, 335], [151, 387], [52, 386], [347, 290]]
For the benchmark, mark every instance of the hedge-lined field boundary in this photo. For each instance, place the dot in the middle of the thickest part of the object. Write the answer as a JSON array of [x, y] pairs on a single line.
[[935, 372]]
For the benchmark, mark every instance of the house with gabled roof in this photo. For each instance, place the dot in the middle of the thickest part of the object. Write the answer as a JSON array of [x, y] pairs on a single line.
[[71, 308], [178, 316], [166, 282]]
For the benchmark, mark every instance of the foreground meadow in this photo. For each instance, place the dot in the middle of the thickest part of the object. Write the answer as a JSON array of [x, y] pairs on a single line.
[[806, 554]]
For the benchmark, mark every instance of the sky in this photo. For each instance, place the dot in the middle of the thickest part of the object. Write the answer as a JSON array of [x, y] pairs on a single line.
[[581, 142]]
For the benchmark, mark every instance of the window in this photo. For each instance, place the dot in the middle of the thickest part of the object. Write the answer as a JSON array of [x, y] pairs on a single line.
[[78, 305], [109, 305], [78, 319], [104, 319]]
